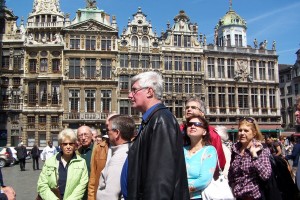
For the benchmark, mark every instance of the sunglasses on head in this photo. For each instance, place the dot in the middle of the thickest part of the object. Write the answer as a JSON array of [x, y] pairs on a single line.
[[248, 119], [192, 107], [197, 124]]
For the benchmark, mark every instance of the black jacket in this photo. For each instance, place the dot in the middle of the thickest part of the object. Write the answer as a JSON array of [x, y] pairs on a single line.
[[156, 164], [35, 152], [21, 152]]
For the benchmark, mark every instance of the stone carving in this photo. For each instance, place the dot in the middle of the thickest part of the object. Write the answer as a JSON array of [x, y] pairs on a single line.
[[255, 43], [263, 45], [242, 72], [274, 45], [91, 4]]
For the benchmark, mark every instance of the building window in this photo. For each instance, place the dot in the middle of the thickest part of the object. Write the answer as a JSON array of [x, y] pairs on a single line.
[[228, 41], [42, 120], [253, 69], [177, 40], [188, 86], [32, 65], [289, 90], [55, 65], [106, 44], [16, 81], [134, 61], [16, 96], [197, 64], [54, 121], [263, 98], [187, 41], [145, 60], [90, 68], [221, 68], [17, 62], [74, 68], [43, 93], [271, 71], [296, 88], [168, 62], [44, 65], [4, 95], [238, 40], [230, 68], [168, 85], [211, 67], [282, 93], [74, 42], [31, 93], [254, 99], [288, 77], [90, 100], [155, 62], [282, 103], [145, 44], [124, 107], [74, 100], [31, 120], [178, 63], [262, 70], [124, 82], [197, 85], [5, 62], [272, 98], [212, 97], [243, 98], [222, 99], [106, 68], [55, 93], [90, 43], [281, 79], [178, 108], [231, 97], [169, 105], [187, 64], [134, 43], [105, 101], [178, 85], [124, 60]]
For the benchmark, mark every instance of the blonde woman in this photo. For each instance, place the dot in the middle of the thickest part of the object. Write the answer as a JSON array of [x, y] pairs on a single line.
[[250, 162], [65, 170]]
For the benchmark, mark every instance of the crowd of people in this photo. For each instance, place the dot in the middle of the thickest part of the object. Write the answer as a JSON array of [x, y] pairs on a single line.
[[162, 159]]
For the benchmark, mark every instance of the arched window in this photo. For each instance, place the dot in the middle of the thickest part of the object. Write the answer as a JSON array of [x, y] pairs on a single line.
[[145, 44], [134, 43]]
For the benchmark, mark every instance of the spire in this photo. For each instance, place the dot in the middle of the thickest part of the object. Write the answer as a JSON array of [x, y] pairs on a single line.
[[230, 4]]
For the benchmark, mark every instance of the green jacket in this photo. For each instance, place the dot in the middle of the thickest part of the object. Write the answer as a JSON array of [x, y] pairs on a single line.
[[77, 179]]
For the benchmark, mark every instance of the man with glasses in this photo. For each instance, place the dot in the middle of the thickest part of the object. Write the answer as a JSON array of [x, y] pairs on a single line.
[[155, 167], [120, 131], [194, 107]]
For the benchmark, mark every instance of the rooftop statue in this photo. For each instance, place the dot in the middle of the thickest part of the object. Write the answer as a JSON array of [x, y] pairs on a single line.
[[91, 4]]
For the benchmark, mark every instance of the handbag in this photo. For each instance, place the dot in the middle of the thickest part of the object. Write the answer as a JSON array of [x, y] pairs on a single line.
[[218, 189], [55, 190]]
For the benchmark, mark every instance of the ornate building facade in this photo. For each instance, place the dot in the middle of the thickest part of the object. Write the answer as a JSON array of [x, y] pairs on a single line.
[[75, 72]]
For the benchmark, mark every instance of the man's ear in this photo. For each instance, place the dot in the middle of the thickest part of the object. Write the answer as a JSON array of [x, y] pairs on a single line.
[[150, 92]]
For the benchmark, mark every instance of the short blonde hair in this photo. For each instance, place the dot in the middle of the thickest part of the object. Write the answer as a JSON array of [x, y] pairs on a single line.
[[67, 133]]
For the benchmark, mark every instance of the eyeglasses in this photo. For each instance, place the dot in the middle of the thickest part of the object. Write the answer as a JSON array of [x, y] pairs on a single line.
[[84, 134], [66, 144], [248, 119], [136, 90], [107, 130], [192, 107], [197, 124]]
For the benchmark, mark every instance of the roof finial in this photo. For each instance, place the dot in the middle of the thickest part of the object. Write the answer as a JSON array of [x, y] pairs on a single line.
[[230, 4]]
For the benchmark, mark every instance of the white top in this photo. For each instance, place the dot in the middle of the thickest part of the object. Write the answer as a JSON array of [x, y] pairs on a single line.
[[109, 183], [48, 152]]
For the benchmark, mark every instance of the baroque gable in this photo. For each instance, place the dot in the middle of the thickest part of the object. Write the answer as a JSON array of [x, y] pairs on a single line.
[[91, 25]]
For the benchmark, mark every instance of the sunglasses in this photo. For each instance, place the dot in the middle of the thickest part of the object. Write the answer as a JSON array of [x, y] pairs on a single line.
[[192, 107], [196, 124], [248, 119], [66, 144]]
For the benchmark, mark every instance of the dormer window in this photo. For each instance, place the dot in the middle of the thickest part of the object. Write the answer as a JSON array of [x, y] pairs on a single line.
[[123, 42], [140, 22], [134, 29], [145, 29]]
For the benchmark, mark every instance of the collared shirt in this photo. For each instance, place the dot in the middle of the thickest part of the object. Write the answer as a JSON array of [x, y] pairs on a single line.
[[245, 173], [86, 154], [125, 166], [63, 173]]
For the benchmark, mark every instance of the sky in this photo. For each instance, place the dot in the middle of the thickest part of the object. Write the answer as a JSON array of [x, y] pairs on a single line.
[[269, 20]]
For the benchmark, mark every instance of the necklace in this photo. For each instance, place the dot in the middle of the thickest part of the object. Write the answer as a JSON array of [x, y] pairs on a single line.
[[194, 149]]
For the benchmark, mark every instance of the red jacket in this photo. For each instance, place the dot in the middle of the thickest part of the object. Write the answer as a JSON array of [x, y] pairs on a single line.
[[217, 143]]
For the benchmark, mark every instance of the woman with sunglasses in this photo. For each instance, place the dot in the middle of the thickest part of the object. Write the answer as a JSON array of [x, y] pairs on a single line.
[[65, 171], [200, 156], [250, 164]]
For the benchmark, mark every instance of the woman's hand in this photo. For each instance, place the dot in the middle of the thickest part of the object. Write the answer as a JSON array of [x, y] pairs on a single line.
[[255, 147]]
